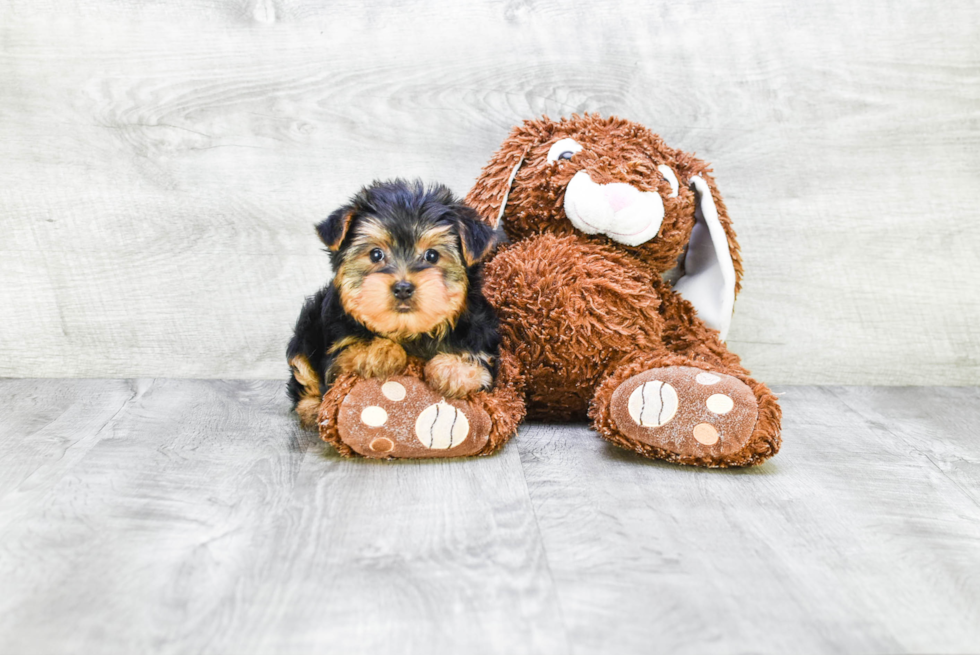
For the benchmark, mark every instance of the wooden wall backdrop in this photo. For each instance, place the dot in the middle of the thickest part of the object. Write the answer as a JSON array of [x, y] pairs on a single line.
[[162, 162]]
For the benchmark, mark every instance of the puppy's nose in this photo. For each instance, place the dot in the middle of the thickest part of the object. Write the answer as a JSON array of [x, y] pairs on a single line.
[[403, 290]]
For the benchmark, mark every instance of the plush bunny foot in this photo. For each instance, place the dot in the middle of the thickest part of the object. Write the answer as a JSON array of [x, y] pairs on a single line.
[[687, 415], [403, 418]]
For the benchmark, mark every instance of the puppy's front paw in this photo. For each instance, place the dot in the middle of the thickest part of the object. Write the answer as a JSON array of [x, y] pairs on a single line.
[[379, 358], [457, 376]]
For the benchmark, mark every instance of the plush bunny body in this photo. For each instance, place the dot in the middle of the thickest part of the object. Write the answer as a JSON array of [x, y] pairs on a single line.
[[571, 311], [614, 295]]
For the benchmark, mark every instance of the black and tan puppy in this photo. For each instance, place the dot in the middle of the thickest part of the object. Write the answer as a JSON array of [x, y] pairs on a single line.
[[407, 268]]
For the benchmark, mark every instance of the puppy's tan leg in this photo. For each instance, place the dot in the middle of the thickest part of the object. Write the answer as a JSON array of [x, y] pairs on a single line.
[[308, 405], [458, 376], [378, 358]]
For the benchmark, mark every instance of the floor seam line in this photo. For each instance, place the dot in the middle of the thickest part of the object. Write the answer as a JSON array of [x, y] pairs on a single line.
[[544, 549], [911, 445]]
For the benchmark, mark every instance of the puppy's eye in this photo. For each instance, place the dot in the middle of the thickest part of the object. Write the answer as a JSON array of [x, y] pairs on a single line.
[[376, 255], [431, 256], [563, 149]]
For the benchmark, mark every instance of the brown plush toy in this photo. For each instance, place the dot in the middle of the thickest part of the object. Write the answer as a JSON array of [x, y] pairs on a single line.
[[614, 296]]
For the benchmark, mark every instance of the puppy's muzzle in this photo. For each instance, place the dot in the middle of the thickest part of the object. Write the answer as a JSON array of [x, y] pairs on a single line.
[[402, 290]]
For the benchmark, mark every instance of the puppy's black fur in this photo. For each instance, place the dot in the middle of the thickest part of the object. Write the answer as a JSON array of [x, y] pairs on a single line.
[[405, 211]]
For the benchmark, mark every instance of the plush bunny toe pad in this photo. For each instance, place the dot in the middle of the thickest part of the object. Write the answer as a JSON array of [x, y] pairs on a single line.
[[686, 410], [402, 417]]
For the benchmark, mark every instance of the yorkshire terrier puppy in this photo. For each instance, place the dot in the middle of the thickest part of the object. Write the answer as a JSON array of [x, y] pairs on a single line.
[[407, 275]]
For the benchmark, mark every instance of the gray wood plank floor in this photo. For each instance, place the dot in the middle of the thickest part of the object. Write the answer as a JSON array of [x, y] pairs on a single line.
[[191, 516]]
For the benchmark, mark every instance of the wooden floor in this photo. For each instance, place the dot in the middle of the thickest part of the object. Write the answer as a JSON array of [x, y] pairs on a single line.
[[183, 516]]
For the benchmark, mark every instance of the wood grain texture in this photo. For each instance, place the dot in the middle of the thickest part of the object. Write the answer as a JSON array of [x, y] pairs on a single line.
[[199, 519], [161, 163], [184, 516], [857, 538]]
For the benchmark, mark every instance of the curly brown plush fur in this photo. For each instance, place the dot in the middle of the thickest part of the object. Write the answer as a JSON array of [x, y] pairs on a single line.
[[627, 152], [583, 313]]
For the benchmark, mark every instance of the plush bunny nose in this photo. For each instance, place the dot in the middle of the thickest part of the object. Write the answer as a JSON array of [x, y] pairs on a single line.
[[620, 211], [403, 290], [620, 196]]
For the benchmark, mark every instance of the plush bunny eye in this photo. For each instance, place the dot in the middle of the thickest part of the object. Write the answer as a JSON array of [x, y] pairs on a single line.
[[563, 149], [670, 177], [376, 255]]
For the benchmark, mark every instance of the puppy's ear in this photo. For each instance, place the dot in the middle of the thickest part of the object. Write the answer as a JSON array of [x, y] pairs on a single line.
[[333, 230], [476, 237]]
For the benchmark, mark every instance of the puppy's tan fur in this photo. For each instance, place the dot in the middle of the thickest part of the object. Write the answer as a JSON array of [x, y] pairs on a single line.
[[458, 376], [365, 292], [309, 404], [378, 358]]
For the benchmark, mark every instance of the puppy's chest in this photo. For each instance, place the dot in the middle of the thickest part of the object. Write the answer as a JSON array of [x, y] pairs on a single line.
[[424, 347]]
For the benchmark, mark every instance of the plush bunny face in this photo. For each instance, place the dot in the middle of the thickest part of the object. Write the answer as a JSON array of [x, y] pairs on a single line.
[[616, 183]]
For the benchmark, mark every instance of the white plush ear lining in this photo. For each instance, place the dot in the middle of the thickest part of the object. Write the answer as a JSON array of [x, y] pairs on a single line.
[[708, 282], [510, 183], [671, 179]]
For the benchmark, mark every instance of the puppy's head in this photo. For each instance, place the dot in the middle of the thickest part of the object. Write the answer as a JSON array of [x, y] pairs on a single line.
[[403, 255]]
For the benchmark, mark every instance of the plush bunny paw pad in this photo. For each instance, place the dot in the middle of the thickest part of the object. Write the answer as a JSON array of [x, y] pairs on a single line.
[[403, 418], [686, 410]]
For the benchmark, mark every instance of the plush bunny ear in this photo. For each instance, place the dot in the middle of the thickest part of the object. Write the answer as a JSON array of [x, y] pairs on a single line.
[[709, 281], [489, 196], [491, 192]]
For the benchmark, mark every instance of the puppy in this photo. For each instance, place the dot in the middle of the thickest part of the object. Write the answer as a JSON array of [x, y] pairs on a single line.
[[407, 275]]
